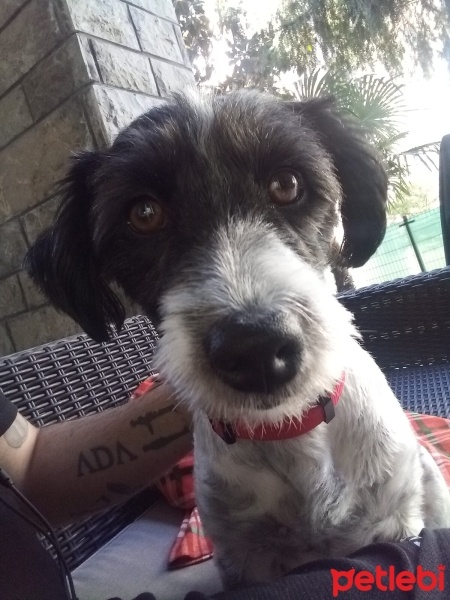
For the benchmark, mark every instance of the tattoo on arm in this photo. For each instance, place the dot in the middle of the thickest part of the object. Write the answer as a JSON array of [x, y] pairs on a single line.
[[104, 501], [150, 416], [163, 441], [17, 433], [147, 421], [101, 458]]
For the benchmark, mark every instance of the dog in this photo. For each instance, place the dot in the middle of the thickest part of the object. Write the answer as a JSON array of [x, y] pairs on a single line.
[[217, 216]]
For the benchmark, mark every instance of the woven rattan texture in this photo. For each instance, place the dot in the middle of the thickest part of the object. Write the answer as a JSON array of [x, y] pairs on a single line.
[[76, 377], [424, 389], [405, 322]]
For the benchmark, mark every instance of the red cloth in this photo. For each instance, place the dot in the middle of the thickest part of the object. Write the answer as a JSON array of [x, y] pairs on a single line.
[[434, 434], [192, 546]]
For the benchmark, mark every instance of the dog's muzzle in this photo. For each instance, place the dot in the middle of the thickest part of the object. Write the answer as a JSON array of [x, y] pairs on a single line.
[[254, 351]]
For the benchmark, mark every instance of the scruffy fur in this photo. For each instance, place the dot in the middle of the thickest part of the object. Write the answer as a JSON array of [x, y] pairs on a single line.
[[228, 255]]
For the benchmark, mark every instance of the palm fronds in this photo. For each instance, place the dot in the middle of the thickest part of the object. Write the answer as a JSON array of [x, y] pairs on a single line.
[[427, 154], [379, 104]]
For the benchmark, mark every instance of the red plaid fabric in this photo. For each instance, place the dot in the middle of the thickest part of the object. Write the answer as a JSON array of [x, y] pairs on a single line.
[[144, 387], [434, 434], [178, 485], [192, 546]]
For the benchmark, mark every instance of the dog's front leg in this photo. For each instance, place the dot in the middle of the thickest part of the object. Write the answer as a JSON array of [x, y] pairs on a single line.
[[237, 568], [436, 501], [248, 566]]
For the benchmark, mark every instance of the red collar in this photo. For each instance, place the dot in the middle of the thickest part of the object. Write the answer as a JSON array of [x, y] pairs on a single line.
[[321, 412]]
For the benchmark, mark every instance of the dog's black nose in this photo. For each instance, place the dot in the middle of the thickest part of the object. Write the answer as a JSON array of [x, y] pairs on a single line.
[[253, 352]]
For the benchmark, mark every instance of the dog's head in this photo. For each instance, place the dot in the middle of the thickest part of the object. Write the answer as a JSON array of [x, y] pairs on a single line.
[[217, 216]]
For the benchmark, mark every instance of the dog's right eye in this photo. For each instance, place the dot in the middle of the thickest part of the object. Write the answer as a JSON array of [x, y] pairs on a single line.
[[146, 216], [285, 188]]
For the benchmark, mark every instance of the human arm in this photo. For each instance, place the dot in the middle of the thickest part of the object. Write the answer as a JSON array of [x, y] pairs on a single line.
[[77, 467]]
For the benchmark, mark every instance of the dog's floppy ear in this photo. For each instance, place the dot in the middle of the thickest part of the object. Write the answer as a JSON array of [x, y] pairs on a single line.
[[62, 264], [361, 173]]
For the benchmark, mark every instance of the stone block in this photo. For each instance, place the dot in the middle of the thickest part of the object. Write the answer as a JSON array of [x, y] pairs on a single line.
[[13, 247], [15, 115], [40, 326], [182, 46], [161, 8], [6, 345], [111, 110], [28, 38], [33, 296], [171, 78], [58, 76], [124, 68], [34, 162], [8, 8], [156, 36], [88, 57], [38, 219], [106, 19], [11, 297]]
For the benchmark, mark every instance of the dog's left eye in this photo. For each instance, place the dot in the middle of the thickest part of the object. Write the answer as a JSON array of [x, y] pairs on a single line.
[[146, 216], [285, 188]]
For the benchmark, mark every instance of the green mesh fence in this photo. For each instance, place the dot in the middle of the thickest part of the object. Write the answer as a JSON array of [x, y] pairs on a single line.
[[396, 256]]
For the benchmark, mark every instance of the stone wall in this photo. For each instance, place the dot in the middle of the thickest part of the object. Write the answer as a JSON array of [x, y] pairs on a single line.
[[72, 73]]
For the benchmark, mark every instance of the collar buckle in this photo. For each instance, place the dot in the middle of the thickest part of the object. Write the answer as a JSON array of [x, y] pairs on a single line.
[[228, 434], [224, 431], [328, 408]]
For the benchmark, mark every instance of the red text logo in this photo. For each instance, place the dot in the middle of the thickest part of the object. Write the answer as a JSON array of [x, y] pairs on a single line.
[[389, 580]]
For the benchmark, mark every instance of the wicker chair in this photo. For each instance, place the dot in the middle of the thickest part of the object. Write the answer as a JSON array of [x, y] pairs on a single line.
[[72, 378], [405, 325]]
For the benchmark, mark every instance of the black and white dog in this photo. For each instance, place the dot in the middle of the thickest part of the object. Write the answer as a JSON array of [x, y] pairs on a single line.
[[217, 216]]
